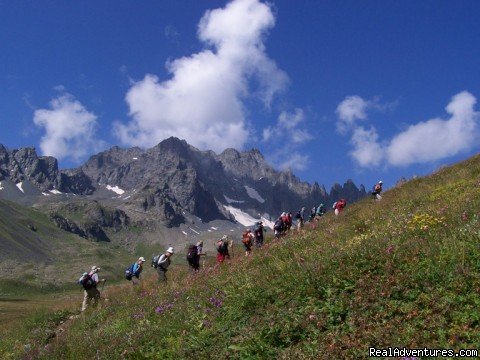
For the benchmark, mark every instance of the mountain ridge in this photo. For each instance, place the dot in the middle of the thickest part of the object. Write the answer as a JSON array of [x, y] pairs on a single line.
[[174, 177]]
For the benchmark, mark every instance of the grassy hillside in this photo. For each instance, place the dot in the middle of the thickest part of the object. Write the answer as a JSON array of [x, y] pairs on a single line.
[[401, 272], [36, 256]]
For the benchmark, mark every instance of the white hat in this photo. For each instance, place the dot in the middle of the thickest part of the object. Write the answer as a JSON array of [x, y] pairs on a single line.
[[224, 237], [200, 243], [170, 250], [95, 268], [380, 182], [141, 258]]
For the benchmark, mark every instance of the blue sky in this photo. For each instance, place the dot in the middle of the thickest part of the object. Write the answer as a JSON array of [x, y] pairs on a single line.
[[335, 90]]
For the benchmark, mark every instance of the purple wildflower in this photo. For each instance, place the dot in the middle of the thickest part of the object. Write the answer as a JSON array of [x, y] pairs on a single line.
[[159, 309], [216, 302], [389, 249], [206, 323]]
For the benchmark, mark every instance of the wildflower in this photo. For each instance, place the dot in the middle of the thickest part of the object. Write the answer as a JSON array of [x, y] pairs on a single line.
[[206, 323], [464, 216], [219, 292], [159, 309], [389, 249], [169, 306], [137, 316], [216, 302]]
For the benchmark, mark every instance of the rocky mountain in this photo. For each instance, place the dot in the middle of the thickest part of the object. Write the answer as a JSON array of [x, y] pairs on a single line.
[[172, 182], [24, 164]]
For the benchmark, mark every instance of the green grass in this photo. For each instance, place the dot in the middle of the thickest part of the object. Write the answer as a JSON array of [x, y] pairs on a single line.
[[48, 258], [401, 272]]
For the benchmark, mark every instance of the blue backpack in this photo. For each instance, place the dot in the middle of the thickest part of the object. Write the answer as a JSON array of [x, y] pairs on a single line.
[[129, 272]]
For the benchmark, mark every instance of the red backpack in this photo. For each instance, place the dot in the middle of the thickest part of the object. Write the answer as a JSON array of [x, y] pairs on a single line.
[[246, 239]]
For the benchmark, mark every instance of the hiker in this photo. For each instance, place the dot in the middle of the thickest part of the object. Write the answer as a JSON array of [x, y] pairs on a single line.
[[321, 210], [313, 213], [258, 232], [339, 206], [300, 218], [377, 189], [193, 256], [161, 263], [222, 249], [284, 218], [289, 221], [278, 227], [90, 281], [247, 239], [134, 271], [200, 252]]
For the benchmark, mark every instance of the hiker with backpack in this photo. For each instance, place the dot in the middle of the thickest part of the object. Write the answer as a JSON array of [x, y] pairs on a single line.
[[339, 206], [89, 281], [258, 232], [278, 227], [247, 239], [133, 272], [222, 249], [321, 210], [377, 189], [300, 218], [193, 256], [161, 263], [289, 222]]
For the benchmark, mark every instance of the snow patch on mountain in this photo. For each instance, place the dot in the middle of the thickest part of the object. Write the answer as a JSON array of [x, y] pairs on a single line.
[[254, 194], [115, 189], [55, 191], [196, 232], [19, 186], [45, 194], [230, 201], [246, 219], [1, 187]]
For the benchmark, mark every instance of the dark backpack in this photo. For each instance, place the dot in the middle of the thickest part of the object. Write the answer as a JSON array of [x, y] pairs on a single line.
[[155, 261], [192, 252], [278, 225], [88, 282], [129, 272], [298, 216]]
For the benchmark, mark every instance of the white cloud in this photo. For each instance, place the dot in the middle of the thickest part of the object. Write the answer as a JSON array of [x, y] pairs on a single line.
[[423, 142], [287, 135], [295, 161], [291, 120], [69, 129], [437, 139], [352, 108], [366, 150], [203, 101], [288, 128]]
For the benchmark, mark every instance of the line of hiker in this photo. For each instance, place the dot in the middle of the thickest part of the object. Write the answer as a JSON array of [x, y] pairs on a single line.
[[161, 262]]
